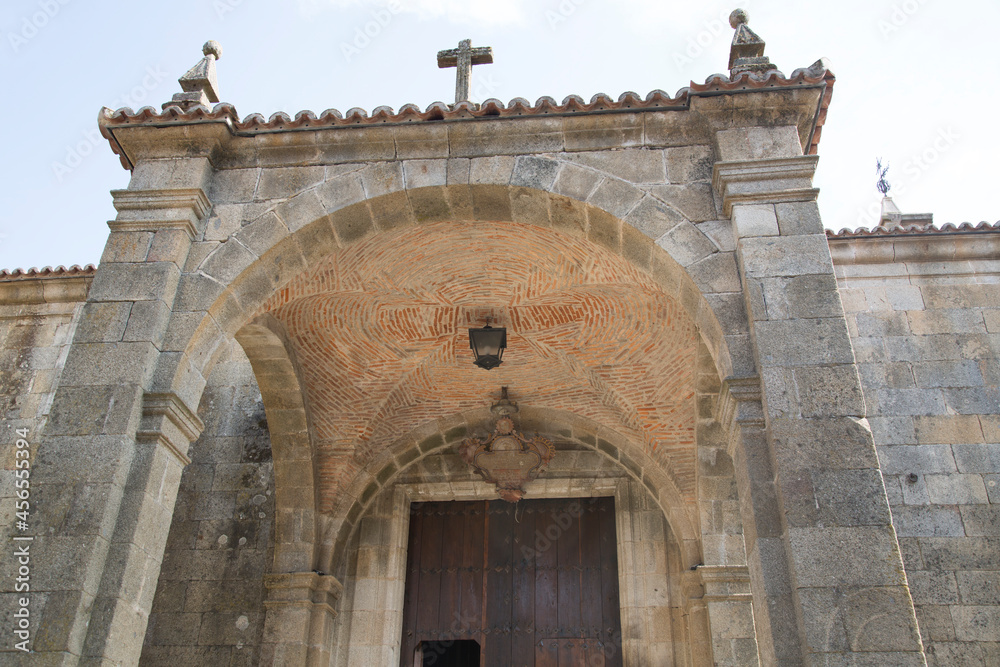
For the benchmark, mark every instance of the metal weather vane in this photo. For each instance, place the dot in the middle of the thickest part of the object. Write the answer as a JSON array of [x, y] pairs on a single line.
[[882, 184]]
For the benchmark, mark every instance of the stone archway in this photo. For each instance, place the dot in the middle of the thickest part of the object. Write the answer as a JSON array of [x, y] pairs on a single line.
[[239, 275], [664, 618], [221, 214], [250, 280], [266, 344], [377, 470]]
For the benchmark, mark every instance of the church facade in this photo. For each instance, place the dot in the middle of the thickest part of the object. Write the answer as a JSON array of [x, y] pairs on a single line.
[[719, 434]]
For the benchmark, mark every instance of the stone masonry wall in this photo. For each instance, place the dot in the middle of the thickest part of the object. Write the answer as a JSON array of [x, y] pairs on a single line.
[[927, 337], [209, 607], [34, 338]]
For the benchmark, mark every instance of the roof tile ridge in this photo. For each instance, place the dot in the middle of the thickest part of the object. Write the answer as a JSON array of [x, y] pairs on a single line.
[[492, 107], [47, 272], [912, 230], [518, 106], [601, 101], [198, 111], [771, 78]]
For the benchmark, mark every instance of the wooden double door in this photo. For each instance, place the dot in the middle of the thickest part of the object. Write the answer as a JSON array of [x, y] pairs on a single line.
[[533, 584]]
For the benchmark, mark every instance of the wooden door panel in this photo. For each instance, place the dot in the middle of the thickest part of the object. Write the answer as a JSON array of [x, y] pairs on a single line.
[[522, 652], [536, 584], [499, 582], [570, 574], [591, 602], [611, 629], [470, 616]]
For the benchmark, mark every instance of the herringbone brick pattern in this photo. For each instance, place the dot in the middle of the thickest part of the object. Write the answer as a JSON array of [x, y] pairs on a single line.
[[380, 331]]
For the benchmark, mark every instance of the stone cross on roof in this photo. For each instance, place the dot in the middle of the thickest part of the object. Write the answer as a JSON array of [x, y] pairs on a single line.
[[463, 58]]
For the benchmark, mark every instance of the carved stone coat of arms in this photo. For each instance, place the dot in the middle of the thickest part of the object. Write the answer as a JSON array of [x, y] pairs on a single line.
[[507, 457]]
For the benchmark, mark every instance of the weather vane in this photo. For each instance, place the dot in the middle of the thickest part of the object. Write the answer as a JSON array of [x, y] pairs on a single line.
[[882, 185]]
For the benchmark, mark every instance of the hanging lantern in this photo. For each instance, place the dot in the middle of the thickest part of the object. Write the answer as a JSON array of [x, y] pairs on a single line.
[[488, 344]]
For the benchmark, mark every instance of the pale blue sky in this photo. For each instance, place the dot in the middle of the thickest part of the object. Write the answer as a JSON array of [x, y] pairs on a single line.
[[914, 84]]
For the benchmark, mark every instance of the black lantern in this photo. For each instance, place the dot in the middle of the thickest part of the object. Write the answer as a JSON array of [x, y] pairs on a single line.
[[488, 345]]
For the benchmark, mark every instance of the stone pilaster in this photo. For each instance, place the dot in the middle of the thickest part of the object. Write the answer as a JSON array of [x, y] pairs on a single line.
[[698, 635], [815, 491], [110, 458], [298, 628], [742, 415], [729, 605]]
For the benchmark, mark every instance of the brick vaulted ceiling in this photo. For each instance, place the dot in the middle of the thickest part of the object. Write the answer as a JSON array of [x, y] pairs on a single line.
[[380, 334]]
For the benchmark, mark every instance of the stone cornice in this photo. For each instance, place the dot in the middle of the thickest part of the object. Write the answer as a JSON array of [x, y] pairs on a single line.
[[767, 181], [48, 289], [145, 200], [220, 135], [179, 208], [814, 76], [933, 245], [168, 422]]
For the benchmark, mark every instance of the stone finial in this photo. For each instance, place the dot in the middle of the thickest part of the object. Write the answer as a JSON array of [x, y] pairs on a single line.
[[892, 218], [200, 83], [747, 51]]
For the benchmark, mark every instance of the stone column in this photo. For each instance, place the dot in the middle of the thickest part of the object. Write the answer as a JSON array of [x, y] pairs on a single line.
[[110, 460], [821, 547], [298, 627]]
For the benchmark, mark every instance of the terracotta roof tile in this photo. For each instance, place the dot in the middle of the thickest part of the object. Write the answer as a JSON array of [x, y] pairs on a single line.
[[48, 272], [914, 230], [816, 75]]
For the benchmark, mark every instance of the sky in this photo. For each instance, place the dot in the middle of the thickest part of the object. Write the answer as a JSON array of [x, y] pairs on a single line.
[[914, 84]]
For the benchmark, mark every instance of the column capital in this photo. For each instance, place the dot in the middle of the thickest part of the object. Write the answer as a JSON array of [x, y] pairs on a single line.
[[310, 590], [766, 181], [740, 402], [156, 209], [170, 423], [725, 583]]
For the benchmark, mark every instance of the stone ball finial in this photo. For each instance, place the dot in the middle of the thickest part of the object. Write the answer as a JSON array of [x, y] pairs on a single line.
[[738, 17], [212, 48]]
